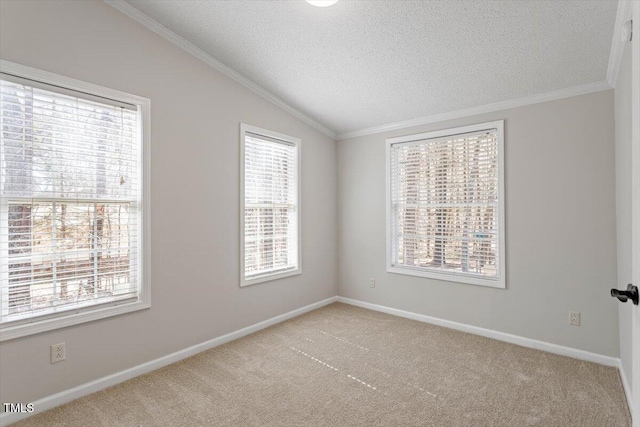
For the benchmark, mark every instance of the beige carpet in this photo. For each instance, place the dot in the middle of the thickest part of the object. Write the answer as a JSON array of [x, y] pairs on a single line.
[[346, 366]]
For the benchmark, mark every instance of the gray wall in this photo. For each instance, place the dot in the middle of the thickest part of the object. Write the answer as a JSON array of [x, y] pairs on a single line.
[[560, 228], [623, 202], [195, 119], [560, 210]]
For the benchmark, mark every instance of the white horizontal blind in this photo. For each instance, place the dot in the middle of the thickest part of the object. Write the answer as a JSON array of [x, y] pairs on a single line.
[[444, 204], [270, 206], [69, 201]]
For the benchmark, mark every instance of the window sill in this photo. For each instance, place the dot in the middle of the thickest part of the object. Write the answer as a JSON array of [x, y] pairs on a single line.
[[449, 277], [74, 318], [269, 277]]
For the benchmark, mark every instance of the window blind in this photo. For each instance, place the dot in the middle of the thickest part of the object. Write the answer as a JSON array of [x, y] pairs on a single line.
[[270, 206], [69, 201], [444, 195]]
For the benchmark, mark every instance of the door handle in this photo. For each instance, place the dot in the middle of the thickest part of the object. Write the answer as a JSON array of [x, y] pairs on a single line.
[[631, 293]]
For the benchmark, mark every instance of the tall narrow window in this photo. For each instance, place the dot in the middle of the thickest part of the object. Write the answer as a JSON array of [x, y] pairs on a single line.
[[70, 206], [270, 205], [446, 205]]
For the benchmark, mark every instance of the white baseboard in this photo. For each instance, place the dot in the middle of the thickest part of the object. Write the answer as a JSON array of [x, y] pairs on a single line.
[[627, 388], [489, 333], [66, 396], [510, 338]]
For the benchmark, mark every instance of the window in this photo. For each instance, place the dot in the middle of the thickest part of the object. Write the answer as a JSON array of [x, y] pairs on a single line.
[[270, 184], [445, 201], [71, 202]]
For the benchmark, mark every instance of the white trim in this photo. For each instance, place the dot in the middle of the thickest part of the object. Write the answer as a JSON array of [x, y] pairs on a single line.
[[144, 298], [66, 396], [144, 211], [163, 31], [74, 318], [297, 143], [618, 41], [635, 211], [626, 387], [489, 333], [70, 83], [482, 109], [500, 283], [268, 277], [159, 29], [447, 277], [614, 64], [49, 402]]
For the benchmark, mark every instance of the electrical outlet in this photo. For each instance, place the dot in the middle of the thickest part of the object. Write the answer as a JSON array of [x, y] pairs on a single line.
[[372, 282], [574, 318], [58, 353]]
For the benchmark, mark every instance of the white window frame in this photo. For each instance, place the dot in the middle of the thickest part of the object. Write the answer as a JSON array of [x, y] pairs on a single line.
[[104, 310], [244, 129], [451, 276]]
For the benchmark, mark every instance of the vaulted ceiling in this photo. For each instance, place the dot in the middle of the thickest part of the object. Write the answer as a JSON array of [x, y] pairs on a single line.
[[360, 64]]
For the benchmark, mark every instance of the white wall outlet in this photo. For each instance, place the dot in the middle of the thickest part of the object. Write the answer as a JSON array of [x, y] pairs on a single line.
[[574, 318], [58, 352], [372, 282]]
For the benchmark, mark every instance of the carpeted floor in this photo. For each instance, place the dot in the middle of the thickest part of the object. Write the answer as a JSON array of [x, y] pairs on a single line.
[[346, 366]]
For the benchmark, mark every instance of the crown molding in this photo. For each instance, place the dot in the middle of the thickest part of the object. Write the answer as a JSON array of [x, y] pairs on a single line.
[[615, 58], [482, 109], [618, 41], [163, 31]]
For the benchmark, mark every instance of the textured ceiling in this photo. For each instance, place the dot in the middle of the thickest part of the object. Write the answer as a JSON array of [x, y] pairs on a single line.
[[359, 64]]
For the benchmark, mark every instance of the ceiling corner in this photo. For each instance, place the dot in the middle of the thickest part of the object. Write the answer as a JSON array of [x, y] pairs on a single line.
[[135, 14]]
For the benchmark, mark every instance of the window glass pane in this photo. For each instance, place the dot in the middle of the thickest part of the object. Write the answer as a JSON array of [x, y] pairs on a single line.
[[444, 204], [55, 145], [270, 206], [67, 253], [69, 198]]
